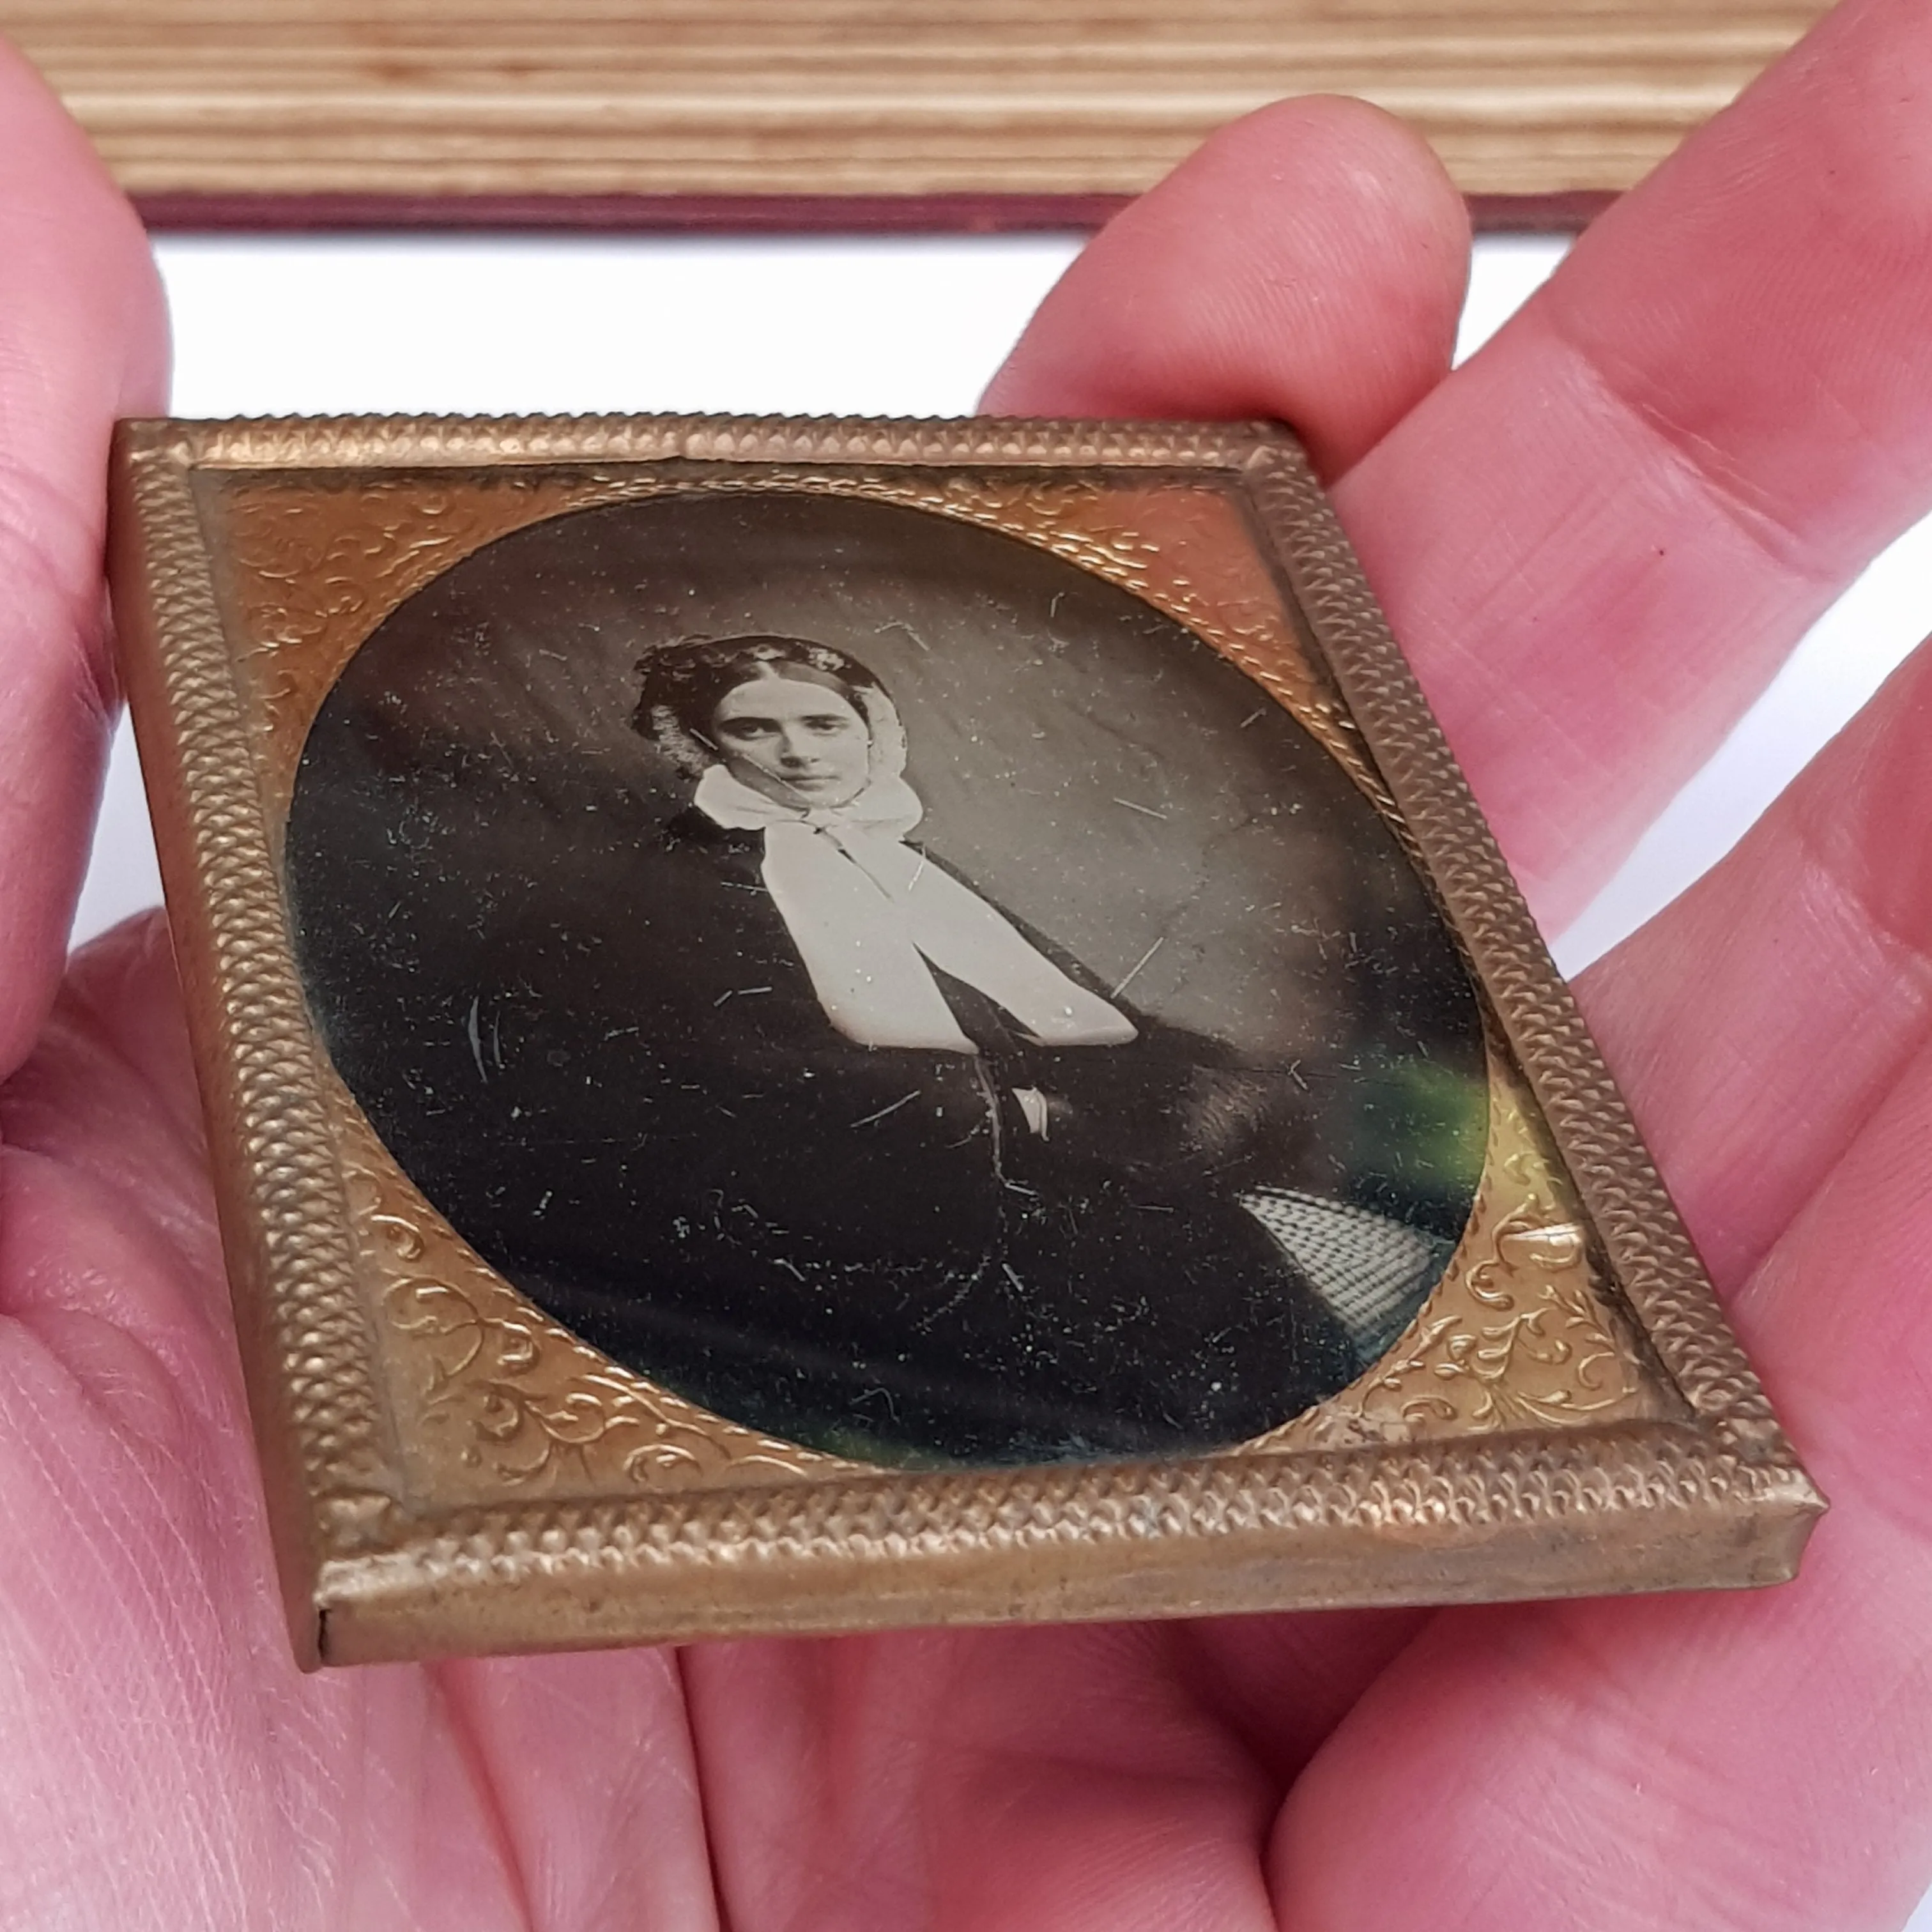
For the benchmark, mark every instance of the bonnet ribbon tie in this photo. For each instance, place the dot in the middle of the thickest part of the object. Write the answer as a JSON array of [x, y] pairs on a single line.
[[867, 912]]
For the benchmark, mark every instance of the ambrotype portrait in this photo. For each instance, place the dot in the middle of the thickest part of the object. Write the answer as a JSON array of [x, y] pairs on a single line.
[[883, 983], [811, 1026]]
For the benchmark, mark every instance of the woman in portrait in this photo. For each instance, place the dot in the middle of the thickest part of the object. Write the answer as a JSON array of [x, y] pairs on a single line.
[[896, 1174]]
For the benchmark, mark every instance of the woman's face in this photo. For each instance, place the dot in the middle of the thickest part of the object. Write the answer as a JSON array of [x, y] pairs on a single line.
[[796, 742]]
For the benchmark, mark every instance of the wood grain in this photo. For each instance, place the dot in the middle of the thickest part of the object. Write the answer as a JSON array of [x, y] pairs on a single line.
[[808, 99]]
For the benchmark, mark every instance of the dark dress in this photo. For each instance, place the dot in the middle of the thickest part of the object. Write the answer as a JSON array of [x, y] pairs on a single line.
[[869, 1249]]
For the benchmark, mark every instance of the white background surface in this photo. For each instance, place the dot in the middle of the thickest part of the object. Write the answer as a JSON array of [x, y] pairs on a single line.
[[296, 324], [888, 327]]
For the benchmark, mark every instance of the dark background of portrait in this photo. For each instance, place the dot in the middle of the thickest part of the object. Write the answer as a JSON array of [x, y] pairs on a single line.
[[472, 803], [1050, 716]]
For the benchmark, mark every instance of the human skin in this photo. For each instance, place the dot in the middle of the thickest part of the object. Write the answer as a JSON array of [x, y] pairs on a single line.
[[796, 741], [1596, 542]]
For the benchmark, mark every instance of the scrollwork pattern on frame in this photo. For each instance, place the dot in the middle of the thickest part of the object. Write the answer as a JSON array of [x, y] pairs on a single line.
[[314, 565], [1520, 1333]]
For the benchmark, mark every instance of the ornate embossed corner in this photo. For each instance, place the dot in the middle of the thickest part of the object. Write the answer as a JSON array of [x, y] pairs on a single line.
[[450, 1470]]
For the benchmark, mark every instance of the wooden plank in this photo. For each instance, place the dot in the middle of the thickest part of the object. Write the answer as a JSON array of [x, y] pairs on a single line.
[[810, 100]]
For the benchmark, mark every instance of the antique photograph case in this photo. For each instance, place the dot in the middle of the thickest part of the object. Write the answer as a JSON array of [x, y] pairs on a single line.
[[810, 1025]]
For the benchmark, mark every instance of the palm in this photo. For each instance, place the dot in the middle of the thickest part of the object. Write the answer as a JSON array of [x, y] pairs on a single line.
[[1597, 540]]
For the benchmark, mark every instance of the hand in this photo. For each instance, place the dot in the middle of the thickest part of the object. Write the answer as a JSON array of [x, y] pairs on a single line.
[[1596, 542]]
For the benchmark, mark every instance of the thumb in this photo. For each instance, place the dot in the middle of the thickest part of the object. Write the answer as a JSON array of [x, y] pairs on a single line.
[[82, 340]]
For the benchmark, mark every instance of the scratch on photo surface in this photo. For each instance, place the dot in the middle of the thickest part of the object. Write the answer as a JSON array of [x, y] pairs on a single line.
[[904, 1100], [1261, 711], [476, 1036], [1147, 811], [738, 993], [967, 1278], [1133, 971]]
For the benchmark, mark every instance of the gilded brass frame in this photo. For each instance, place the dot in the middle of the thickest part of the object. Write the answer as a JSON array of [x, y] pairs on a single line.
[[448, 1471]]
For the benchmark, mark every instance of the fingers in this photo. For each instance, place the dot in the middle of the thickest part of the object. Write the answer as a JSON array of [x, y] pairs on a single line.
[[81, 341], [105, 1105], [1011, 1780], [1307, 263], [589, 1763], [159, 1740], [1282, 1684], [1722, 1760], [1598, 539], [1757, 1023]]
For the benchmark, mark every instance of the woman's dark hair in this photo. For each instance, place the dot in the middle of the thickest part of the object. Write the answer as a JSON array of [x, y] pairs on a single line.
[[685, 682]]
